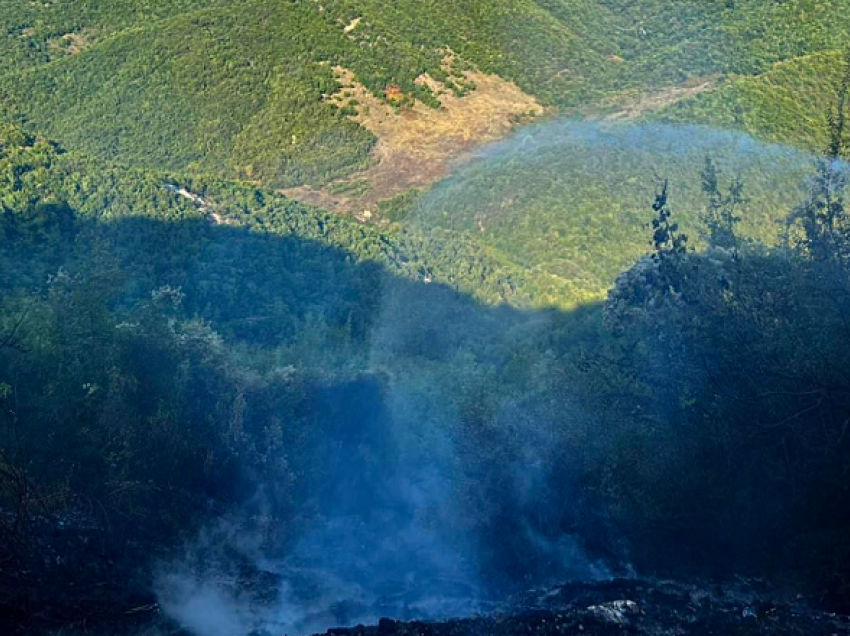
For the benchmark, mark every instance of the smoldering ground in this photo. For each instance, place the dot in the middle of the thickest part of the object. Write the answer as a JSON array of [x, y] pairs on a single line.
[[404, 514], [402, 519]]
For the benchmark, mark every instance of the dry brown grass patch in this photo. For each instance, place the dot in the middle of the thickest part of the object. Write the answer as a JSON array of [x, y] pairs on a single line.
[[417, 145], [70, 43]]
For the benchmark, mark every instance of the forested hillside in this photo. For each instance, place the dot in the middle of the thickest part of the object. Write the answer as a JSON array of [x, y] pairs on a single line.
[[785, 104], [201, 89], [44, 184], [576, 308], [206, 86], [566, 202], [163, 367]]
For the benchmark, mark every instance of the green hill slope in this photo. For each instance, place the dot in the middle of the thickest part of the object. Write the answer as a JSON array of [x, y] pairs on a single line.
[[785, 105], [221, 88], [219, 93], [53, 195], [570, 203], [240, 90]]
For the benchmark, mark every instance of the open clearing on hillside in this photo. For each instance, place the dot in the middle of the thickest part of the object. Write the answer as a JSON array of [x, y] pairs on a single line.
[[417, 145], [71, 43]]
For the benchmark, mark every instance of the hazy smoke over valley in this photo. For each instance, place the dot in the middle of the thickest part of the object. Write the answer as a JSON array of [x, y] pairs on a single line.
[[565, 166], [486, 317], [403, 517]]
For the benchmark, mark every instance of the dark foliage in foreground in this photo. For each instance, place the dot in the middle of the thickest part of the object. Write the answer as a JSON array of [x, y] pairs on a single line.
[[155, 376]]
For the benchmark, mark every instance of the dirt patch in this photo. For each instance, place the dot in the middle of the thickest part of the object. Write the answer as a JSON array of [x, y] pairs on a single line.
[[418, 144], [351, 25], [70, 43]]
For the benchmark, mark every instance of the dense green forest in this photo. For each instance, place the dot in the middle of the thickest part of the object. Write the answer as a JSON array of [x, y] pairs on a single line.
[[205, 92], [566, 202], [41, 176], [206, 86], [785, 104]]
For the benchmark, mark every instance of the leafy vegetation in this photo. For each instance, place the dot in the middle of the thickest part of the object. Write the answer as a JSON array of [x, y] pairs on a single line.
[[240, 93], [564, 201], [42, 179], [178, 343], [176, 347], [157, 368], [784, 105], [203, 86]]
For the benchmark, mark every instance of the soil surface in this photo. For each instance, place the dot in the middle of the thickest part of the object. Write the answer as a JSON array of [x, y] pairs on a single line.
[[651, 608], [105, 603], [417, 144]]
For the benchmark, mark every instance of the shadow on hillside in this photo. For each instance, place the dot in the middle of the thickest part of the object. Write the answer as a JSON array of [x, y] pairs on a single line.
[[263, 289], [393, 447], [421, 451]]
